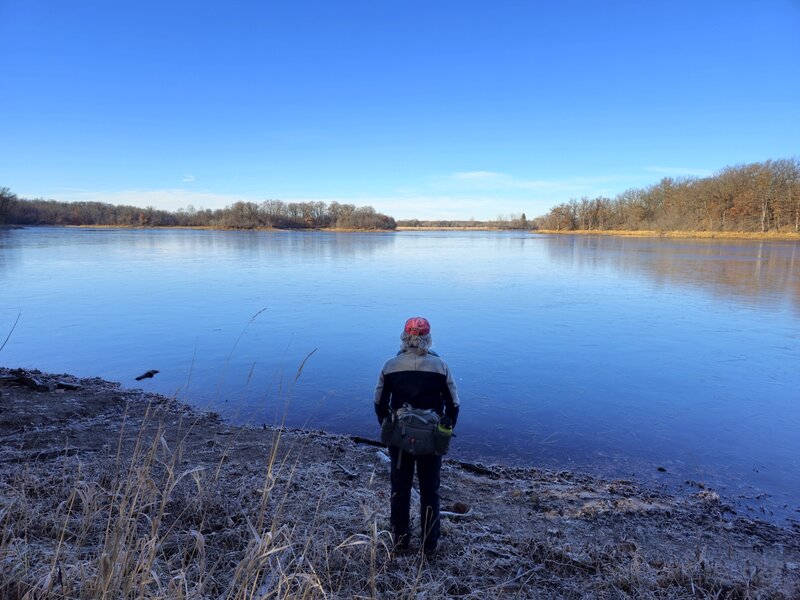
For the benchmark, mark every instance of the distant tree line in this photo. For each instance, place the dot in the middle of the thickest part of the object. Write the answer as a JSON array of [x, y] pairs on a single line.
[[240, 215], [757, 197], [502, 222]]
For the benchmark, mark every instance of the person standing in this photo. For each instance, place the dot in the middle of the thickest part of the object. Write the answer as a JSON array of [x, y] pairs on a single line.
[[419, 378]]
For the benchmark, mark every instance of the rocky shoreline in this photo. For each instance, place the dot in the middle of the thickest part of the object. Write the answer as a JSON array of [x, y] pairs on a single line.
[[110, 492]]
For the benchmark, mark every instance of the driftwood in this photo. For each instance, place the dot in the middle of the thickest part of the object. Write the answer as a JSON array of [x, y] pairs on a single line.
[[362, 440], [66, 385], [476, 468], [25, 380], [348, 473]]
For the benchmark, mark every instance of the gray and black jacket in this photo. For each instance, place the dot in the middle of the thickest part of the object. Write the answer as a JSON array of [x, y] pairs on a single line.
[[421, 381]]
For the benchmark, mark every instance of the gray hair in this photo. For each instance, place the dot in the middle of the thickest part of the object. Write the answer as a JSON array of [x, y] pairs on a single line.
[[418, 344]]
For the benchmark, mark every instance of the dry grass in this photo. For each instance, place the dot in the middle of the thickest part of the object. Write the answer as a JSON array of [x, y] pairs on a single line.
[[178, 505], [718, 235], [144, 523]]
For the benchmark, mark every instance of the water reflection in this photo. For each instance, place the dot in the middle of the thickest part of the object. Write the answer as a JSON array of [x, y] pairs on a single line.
[[594, 353], [308, 244], [6, 242], [754, 272]]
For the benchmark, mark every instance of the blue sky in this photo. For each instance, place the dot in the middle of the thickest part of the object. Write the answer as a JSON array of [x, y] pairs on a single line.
[[421, 109]]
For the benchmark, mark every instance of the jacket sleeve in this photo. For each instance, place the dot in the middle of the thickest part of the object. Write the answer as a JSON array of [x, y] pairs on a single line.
[[450, 396], [382, 395]]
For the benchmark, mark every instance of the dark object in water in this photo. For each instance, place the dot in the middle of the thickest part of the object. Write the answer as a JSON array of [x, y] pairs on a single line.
[[147, 375], [661, 469], [25, 380]]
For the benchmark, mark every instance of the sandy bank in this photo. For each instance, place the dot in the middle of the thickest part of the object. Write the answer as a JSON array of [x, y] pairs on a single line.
[[108, 492]]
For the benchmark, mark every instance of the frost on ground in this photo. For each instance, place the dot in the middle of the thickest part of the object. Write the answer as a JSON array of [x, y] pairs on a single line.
[[114, 493]]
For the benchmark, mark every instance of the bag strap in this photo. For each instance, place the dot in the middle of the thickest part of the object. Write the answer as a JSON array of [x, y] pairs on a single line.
[[422, 415]]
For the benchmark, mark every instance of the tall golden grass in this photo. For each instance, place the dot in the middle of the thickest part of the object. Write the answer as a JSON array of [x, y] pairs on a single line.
[[146, 523], [720, 235]]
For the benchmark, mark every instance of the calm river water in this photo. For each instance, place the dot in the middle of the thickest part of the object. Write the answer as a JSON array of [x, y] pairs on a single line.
[[606, 355]]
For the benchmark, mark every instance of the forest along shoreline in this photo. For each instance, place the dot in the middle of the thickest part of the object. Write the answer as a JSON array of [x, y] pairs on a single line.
[[108, 489]]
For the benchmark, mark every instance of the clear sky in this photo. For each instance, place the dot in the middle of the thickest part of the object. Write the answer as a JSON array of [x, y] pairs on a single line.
[[421, 109]]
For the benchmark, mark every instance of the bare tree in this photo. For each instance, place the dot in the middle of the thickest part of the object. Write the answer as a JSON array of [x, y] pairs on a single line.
[[753, 197], [7, 199]]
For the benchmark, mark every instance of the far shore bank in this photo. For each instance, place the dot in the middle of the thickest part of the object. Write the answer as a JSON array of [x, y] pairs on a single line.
[[711, 235], [216, 228], [113, 492], [404, 228]]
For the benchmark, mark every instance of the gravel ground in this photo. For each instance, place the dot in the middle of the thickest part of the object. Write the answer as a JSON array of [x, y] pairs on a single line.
[[109, 492]]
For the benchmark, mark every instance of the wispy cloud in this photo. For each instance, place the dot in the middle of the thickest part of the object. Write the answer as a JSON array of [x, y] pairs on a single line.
[[503, 182], [678, 171], [188, 178], [478, 175], [70, 190]]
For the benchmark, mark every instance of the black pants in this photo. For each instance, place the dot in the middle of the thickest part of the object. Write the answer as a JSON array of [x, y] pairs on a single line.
[[428, 468]]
